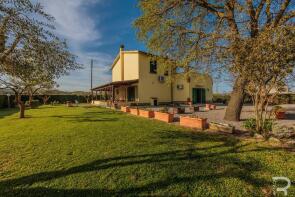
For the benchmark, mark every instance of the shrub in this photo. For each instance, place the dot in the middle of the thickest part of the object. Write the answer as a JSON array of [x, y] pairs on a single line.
[[250, 124]]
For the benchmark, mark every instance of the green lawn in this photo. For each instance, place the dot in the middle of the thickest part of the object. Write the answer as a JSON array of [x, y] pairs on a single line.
[[84, 151]]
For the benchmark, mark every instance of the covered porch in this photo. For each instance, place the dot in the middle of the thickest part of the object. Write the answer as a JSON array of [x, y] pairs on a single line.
[[116, 94]]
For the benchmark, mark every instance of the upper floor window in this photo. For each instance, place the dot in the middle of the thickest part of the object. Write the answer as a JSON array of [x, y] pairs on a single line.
[[153, 66]]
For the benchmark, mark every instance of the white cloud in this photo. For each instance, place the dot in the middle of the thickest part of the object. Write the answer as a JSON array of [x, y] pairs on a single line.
[[75, 24], [72, 21]]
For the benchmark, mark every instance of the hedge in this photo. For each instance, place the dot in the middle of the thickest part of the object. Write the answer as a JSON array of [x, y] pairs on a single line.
[[53, 98]]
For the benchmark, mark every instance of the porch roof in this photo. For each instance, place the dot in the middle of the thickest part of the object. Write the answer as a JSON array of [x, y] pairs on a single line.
[[115, 84]]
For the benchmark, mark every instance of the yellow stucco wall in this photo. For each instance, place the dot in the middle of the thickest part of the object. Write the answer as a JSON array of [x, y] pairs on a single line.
[[116, 71], [180, 94], [197, 81], [149, 86], [131, 68], [137, 66]]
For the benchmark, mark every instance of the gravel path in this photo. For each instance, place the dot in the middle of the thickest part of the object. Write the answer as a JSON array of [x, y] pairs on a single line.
[[247, 112]]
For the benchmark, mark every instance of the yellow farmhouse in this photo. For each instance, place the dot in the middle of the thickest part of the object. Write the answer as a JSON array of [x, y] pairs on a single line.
[[135, 81]]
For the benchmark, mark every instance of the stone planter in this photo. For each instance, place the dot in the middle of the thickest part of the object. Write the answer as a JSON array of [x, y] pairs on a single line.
[[280, 115], [125, 109], [146, 113], [193, 122], [221, 127], [134, 111], [166, 117]]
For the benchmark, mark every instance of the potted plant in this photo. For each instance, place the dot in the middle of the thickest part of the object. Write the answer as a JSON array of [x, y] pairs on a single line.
[[146, 113], [279, 112], [125, 109], [193, 122], [163, 115]]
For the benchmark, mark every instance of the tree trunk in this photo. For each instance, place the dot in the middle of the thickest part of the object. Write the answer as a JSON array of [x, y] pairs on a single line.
[[30, 100], [21, 106], [234, 108]]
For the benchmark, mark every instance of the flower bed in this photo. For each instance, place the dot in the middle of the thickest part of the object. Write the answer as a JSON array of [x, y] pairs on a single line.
[[193, 122], [134, 111], [166, 117], [146, 113], [125, 109]]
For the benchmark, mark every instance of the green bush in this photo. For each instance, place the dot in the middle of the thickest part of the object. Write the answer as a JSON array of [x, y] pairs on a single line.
[[250, 124]]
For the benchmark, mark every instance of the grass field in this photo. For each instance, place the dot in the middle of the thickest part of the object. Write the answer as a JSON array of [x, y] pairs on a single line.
[[82, 151]]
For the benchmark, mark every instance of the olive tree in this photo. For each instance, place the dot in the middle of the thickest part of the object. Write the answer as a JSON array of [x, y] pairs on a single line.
[[269, 63], [32, 69], [22, 22], [200, 33]]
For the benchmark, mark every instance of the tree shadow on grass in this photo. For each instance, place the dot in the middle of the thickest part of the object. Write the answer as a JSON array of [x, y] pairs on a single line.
[[7, 112], [204, 164], [83, 118]]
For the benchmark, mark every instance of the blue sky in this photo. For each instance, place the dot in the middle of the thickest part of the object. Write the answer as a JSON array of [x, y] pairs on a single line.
[[95, 29]]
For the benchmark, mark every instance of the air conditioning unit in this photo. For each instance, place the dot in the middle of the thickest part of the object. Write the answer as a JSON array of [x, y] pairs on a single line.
[[180, 87], [161, 79]]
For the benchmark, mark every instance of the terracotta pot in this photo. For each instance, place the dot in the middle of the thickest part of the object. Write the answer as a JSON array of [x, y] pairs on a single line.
[[146, 113], [125, 109], [280, 115], [166, 117], [208, 107], [212, 107], [134, 111], [199, 123]]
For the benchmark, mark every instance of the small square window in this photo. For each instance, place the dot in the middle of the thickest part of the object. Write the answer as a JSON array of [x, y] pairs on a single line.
[[153, 67]]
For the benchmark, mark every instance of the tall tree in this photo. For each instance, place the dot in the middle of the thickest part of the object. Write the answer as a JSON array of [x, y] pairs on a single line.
[[32, 69], [22, 23], [201, 32]]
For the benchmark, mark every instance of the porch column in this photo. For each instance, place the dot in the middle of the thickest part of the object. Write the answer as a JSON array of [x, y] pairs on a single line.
[[126, 96], [113, 93]]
